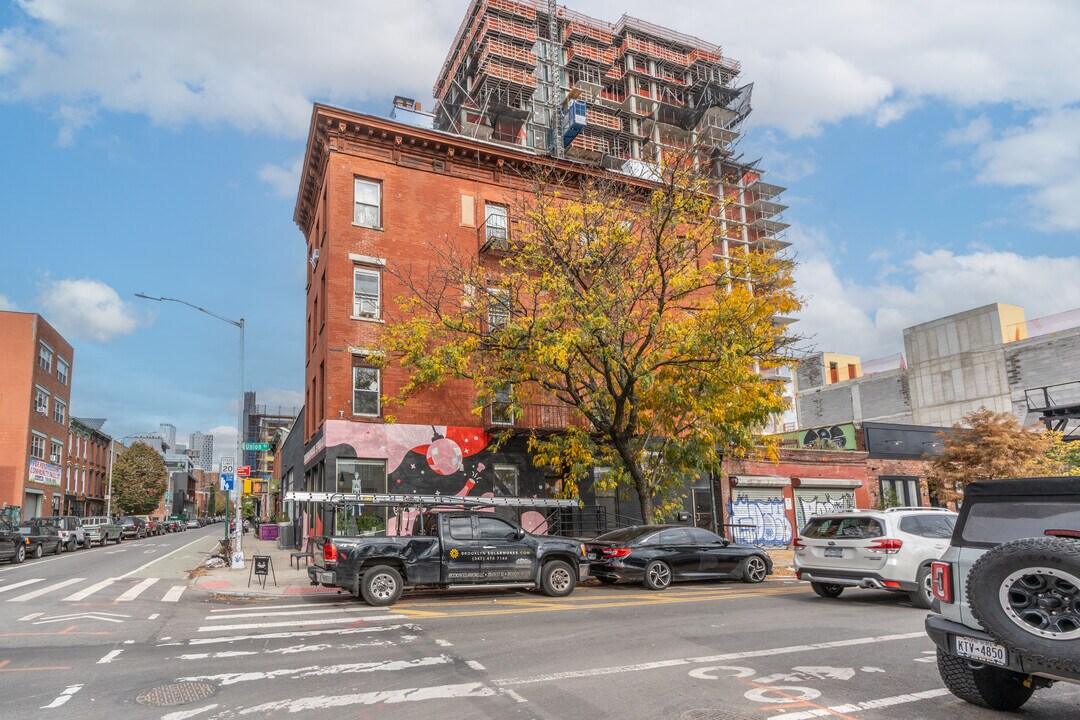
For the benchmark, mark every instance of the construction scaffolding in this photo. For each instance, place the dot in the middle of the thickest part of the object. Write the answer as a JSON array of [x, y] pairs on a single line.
[[531, 73]]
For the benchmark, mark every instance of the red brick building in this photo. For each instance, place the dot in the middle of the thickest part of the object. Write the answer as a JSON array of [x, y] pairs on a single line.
[[36, 367], [86, 474]]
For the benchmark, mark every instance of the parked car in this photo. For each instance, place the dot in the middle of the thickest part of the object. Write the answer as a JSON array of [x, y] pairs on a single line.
[[132, 527], [658, 555], [153, 526], [12, 545], [1007, 592], [101, 529], [193, 524], [40, 538], [70, 529], [883, 549], [180, 521], [449, 549]]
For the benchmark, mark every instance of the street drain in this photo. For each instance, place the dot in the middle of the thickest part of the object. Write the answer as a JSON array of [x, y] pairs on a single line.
[[712, 714], [176, 694]]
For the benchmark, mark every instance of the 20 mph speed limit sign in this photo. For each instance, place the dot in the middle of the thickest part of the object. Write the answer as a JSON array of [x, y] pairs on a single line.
[[228, 465]]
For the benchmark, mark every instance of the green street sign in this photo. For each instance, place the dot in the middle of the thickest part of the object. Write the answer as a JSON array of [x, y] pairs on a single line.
[[262, 447]]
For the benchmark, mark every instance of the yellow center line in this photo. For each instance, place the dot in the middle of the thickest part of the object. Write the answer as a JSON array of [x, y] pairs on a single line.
[[564, 607]]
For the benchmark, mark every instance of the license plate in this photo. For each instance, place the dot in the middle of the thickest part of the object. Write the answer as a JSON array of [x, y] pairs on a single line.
[[834, 552], [982, 651], [325, 577]]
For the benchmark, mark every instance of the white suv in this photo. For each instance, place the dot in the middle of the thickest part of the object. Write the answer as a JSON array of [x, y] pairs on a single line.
[[883, 549]]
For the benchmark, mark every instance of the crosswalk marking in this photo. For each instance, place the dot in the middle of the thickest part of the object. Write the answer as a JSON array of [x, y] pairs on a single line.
[[21, 584], [174, 593], [47, 589], [137, 590], [250, 614], [299, 623], [87, 592]]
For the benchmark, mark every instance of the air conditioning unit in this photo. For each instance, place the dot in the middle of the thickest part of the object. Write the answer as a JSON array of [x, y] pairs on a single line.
[[42, 408], [314, 258], [54, 458]]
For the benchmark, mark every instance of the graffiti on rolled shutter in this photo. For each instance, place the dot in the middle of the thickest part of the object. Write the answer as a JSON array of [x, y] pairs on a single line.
[[821, 501], [757, 516]]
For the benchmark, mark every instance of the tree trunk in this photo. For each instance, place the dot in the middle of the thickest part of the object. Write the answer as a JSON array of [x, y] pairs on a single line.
[[641, 484]]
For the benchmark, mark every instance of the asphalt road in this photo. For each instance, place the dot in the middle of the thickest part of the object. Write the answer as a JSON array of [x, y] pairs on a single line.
[[713, 650]]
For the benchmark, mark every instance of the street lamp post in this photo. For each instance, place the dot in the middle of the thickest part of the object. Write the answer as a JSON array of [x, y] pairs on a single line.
[[238, 553]]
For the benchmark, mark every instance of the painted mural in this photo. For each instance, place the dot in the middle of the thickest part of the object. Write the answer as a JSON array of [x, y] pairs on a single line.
[[428, 460], [839, 437], [759, 522]]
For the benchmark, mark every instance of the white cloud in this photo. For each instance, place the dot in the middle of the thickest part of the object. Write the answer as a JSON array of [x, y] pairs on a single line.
[[86, 308], [976, 132], [848, 315], [72, 118], [284, 179], [6, 304], [224, 442], [278, 397]]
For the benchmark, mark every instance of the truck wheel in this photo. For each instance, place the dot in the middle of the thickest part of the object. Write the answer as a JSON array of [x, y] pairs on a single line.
[[827, 590], [38, 552], [924, 594], [557, 579], [59, 548], [1026, 594], [988, 687], [20, 555], [657, 575], [381, 585], [72, 545]]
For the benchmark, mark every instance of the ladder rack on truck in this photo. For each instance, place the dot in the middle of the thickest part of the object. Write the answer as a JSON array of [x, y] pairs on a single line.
[[416, 500]]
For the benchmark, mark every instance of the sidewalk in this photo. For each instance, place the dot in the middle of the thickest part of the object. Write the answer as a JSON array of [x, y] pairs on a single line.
[[234, 583], [783, 562]]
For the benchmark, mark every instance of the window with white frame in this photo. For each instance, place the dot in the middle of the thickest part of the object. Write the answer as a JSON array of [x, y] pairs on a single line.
[[37, 447], [55, 451], [45, 355], [496, 229], [498, 308], [59, 413], [41, 401], [367, 286], [506, 480], [367, 203], [366, 391], [63, 369], [502, 407]]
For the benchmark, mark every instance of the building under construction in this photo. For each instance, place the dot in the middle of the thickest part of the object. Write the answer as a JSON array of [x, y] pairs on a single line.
[[533, 74]]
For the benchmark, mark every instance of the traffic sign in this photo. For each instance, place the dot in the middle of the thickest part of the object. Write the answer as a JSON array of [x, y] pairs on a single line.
[[258, 446], [227, 482], [228, 465], [244, 471]]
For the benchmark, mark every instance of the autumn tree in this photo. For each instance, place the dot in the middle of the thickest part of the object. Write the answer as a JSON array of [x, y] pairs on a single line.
[[613, 302], [985, 445], [139, 480]]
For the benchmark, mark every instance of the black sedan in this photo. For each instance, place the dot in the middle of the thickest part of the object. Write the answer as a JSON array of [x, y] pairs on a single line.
[[658, 555], [40, 539]]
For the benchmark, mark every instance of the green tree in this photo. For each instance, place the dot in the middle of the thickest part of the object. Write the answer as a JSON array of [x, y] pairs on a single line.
[[139, 480], [986, 445], [615, 310]]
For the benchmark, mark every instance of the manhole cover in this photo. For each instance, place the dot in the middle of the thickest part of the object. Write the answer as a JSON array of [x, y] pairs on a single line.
[[176, 694], [711, 714]]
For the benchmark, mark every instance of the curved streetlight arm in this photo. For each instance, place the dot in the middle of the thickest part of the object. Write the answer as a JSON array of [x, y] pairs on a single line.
[[236, 323]]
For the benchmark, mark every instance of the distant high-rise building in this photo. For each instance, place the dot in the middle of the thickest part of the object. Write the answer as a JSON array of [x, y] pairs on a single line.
[[203, 444], [168, 434]]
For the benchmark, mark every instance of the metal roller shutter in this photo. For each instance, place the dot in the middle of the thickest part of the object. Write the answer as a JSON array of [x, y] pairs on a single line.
[[811, 501], [756, 516]]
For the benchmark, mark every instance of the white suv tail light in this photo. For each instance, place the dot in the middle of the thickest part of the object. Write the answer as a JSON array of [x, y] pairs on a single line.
[[889, 546], [941, 581]]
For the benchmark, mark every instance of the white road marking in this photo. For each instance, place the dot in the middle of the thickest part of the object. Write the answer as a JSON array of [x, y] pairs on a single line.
[[87, 592], [63, 698], [282, 607], [47, 589], [707, 673], [110, 656], [174, 593], [20, 584], [475, 665], [185, 714], [867, 705], [869, 669], [513, 694], [224, 679], [226, 654], [617, 669], [826, 673], [31, 616], [294, 623], [299, 633], [155, 616], [103, 616], [151, 551], [781, 694], [143, 567], [291, 612], [137, 590], [444, 643], [388, 697]]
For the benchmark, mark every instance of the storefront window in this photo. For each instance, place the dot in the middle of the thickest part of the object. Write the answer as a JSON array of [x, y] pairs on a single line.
[[360, 476]]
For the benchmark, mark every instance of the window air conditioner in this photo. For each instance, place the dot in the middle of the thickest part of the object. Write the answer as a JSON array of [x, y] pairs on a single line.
[[42, 408], [54, 458], [314, 258]]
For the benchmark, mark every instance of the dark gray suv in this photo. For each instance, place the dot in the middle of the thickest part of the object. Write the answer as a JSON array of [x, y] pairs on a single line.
[[1007, 592]]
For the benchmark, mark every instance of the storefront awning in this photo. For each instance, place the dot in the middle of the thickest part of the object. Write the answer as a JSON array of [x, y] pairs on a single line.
[[760, 481], [828, 482], [33, 491]]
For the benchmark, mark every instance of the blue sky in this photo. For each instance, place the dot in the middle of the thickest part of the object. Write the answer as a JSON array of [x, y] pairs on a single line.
[[931, 151]]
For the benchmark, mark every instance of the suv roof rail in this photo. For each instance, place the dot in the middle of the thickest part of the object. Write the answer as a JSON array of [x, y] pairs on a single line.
[[919, 509]]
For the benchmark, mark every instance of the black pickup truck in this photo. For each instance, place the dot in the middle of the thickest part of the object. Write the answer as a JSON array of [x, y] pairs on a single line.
[[449, 550]]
